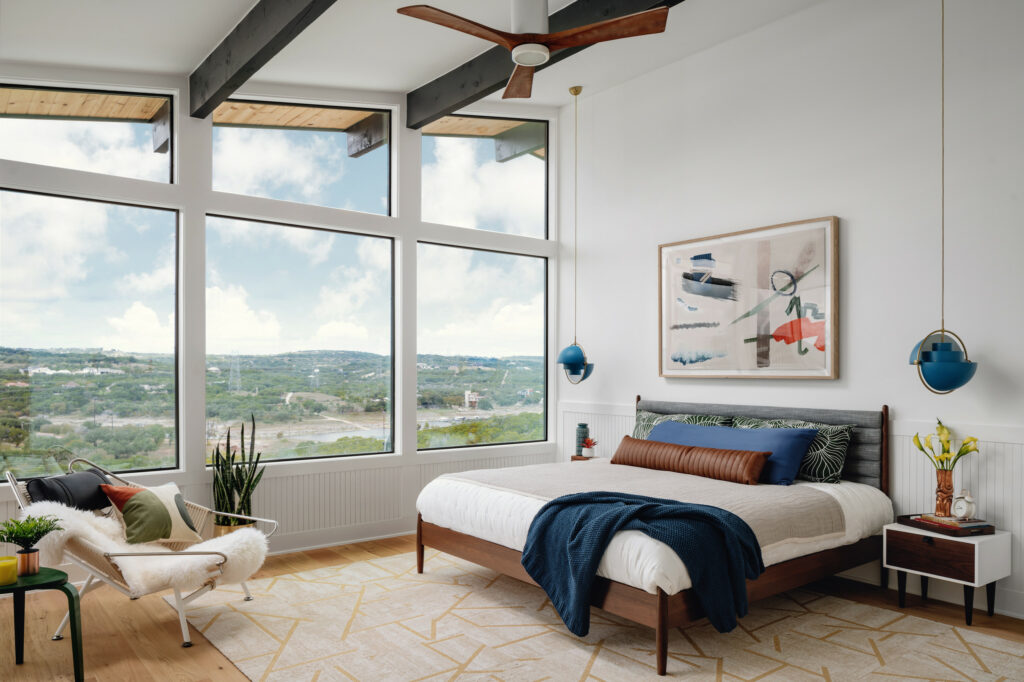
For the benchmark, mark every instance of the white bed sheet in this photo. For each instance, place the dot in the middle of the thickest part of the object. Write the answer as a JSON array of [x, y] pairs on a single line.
[[503, 516]]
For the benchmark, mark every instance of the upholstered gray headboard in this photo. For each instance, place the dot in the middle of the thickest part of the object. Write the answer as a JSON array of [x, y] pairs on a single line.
[[867, 460]]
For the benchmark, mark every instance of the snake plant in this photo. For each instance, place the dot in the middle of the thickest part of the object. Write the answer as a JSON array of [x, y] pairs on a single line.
[[235, 478]]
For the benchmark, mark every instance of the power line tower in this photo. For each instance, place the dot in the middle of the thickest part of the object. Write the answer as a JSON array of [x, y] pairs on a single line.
[[314, 379], [235, 375]]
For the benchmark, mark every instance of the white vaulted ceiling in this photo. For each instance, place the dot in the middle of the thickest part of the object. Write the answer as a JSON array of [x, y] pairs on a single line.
[[356, 44]]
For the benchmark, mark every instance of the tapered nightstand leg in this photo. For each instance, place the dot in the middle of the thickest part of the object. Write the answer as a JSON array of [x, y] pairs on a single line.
[[19, 626], [968, 603], [883, 578], [990, 598], [924, 588], [901, 583]]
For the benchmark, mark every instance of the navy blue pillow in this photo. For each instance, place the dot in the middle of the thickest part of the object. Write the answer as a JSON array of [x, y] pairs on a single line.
[[788, 446]]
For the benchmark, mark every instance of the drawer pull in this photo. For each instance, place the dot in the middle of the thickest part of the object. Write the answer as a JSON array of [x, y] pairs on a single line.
[[927, 540]]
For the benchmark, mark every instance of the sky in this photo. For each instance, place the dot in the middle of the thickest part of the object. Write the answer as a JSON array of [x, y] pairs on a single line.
[[80, 274]]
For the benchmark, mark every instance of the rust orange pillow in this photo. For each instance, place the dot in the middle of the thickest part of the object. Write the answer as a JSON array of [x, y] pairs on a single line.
[[736, 466]]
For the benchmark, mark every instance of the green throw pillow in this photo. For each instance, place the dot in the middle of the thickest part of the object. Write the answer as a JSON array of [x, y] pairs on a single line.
[[645, 421], [826, 455], [151, 514]]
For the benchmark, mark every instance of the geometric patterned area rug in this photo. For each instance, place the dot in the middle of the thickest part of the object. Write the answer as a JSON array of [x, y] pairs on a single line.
[[380, 620]]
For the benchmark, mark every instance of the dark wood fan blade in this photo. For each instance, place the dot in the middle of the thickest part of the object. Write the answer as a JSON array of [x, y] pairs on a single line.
[[520, 85], [639, 24], [454, 21]]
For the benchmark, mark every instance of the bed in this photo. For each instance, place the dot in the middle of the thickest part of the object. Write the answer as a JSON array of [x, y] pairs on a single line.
[[484, 516]]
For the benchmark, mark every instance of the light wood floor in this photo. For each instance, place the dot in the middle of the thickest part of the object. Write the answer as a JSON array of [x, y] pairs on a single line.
[[141, 641]]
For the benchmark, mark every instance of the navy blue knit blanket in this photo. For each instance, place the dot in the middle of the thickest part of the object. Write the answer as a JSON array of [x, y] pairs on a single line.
[[569, 535]]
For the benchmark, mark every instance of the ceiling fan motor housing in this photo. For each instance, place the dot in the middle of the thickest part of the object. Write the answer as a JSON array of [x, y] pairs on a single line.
[[529, 16]]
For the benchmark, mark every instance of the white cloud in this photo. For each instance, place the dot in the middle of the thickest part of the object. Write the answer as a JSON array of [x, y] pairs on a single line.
[[375, 253], [479, 304], [139, 330], [503, 328], [160, 278], [96, 146], [315, 244], [343, 335], [46, 244], [354, 310], [233, 326], [270, 163], [459, 191]]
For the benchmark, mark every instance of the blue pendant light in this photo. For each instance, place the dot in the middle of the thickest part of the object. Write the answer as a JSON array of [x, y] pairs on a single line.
[[941, 357], [942, 362], [573, 359]]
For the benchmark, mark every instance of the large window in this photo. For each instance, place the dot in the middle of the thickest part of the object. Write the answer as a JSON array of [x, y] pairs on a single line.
[[301, 314], [329, 156], [87, 334], [486, 174], [480, 347], [100, 132], [298, 334]]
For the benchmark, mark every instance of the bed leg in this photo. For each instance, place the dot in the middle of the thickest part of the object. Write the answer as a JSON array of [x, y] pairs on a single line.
[[661, 633], [419, 543]]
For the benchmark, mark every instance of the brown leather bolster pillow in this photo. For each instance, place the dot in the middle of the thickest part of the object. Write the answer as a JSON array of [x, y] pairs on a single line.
[[736, 466]]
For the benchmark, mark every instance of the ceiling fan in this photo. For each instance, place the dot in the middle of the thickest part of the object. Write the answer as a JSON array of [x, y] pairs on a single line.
[[529, 41]]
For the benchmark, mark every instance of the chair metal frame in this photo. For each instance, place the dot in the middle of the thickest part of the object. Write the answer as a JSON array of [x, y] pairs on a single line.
[[111, 574]]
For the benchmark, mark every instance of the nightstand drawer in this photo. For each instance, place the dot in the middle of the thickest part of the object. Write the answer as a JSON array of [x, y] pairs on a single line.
[[927, 554]]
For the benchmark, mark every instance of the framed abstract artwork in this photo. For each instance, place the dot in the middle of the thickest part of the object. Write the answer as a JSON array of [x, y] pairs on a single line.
[[760, 303]]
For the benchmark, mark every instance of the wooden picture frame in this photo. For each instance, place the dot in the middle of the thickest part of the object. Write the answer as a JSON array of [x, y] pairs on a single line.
[[761, 303]]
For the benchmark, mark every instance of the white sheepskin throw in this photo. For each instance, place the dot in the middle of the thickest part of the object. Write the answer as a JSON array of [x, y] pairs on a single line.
[[246, 549]]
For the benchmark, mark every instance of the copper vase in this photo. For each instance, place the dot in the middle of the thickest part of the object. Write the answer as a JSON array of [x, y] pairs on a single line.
[[28, 562], [943, 491]]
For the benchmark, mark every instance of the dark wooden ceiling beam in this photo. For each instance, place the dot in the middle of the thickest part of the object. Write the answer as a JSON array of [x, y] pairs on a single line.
[[260, 35], [490, 71]]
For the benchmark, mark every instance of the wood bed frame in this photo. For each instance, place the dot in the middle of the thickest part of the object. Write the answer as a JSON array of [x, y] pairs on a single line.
[[663, 611]]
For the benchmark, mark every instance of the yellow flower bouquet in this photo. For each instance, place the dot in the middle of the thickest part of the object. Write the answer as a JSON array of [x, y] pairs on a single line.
[[944, 460]]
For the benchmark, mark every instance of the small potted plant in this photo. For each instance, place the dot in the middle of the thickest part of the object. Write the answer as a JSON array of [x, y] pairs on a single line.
[[234, 481], [588, 447], [26, 533]]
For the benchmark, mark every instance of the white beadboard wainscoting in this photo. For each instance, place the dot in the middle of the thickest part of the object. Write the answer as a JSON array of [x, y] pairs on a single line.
[[995, 476]]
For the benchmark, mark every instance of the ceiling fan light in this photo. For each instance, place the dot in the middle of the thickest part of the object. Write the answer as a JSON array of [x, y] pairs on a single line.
[[530, 54]]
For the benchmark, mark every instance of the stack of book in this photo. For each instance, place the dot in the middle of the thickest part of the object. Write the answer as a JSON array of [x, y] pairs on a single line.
[[949, 525]]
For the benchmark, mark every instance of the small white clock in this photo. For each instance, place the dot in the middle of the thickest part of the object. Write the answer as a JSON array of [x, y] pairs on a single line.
[[963, 506]]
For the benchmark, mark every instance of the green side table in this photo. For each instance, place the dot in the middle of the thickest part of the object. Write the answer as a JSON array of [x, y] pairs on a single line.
[[46, 579]]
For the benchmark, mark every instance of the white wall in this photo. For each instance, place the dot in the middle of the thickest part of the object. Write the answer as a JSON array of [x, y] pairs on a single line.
[[833, 110]]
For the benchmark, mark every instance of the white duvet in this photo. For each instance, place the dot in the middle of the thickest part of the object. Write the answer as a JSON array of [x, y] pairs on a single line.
[[503, 516]]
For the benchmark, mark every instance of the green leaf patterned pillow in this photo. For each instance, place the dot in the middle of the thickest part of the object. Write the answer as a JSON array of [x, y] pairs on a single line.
[[826, 455], [645, 421]]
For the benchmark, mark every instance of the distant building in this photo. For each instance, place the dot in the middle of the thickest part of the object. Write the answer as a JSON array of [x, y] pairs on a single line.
[[525, 393], [471, 400]]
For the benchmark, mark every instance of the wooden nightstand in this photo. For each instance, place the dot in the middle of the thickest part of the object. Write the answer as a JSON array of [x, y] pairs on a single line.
[[969, 561]]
